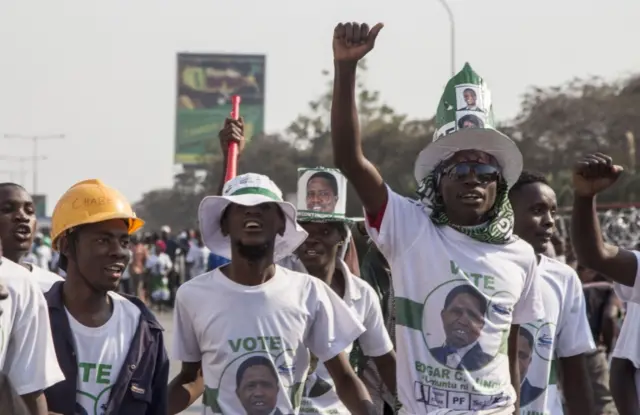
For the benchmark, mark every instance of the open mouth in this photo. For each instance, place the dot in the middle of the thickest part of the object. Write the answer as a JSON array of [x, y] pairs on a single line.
[[252, 225], [22, 233], [473, 196], [115, 270], [258, 404]]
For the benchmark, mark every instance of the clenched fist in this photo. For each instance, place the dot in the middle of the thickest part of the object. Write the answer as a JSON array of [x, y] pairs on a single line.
[[593, 174], [352, 41], [232, 132]]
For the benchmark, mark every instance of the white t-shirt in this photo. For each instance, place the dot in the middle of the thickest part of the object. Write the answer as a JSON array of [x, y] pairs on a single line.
[[319, 394], [43, 256], [27, 353], [563, 332], [159, 264], [254, 341], [627, 344], [456, 299], [101, 351], [44, 278], [198, 257]]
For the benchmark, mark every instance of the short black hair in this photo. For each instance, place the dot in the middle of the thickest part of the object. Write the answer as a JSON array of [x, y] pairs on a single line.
[[466, 289], [333, 182], [527, 336], [11, 184], [528, 177], [255, 361]]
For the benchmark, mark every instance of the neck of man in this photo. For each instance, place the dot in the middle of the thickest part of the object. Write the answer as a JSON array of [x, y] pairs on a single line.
[[468, 221], [324, 272], [15, 256], [89, 306], [250, 272]]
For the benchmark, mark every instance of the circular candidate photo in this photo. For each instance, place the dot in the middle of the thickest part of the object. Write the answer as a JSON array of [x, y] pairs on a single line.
[[254, 380], [463, 310]]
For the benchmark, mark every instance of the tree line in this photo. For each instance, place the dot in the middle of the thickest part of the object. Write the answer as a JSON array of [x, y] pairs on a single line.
[[554, 127]]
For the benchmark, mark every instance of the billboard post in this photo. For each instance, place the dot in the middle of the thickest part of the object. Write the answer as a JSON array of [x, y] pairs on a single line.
[[206, 83]]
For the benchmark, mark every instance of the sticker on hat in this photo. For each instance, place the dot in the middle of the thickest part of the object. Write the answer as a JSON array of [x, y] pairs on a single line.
[[322, 194], [465, 121]]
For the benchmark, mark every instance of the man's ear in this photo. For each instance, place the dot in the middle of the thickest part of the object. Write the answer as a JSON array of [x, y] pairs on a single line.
[[63, 244]]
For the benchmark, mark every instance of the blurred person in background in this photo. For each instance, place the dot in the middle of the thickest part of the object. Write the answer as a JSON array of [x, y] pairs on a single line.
[[110, 347], [18, 231], [137, 267], [197, 257], [41, 251], [159, 266]]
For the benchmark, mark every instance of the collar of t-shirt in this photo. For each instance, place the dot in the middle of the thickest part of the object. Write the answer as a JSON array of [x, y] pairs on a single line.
[[351, 295]]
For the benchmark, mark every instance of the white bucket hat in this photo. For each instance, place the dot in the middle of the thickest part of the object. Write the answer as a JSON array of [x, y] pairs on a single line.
[[248, 190]]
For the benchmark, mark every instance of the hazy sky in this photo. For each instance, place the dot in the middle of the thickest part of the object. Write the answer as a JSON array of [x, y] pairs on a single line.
[[103, 72]]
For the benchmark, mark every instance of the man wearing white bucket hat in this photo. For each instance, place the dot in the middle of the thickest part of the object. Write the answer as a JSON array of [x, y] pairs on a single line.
[[463, 283], [249, 326]]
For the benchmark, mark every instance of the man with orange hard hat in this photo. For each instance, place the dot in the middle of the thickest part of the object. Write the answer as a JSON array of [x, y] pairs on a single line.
[[110, 347]]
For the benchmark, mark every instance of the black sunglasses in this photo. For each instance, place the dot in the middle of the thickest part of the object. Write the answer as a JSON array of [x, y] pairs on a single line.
[[485, 173]]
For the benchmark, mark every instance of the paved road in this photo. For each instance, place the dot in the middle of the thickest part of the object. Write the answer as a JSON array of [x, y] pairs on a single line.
[[167, 322]]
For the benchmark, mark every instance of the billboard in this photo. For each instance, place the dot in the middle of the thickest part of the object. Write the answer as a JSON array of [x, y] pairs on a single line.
[[206, 83]]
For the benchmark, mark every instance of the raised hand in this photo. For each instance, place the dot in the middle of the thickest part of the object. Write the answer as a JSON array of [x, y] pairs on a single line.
[[594, 173], [232, 131], [352, 41]]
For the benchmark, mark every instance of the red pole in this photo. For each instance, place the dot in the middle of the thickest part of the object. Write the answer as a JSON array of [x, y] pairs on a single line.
[[232, 152]]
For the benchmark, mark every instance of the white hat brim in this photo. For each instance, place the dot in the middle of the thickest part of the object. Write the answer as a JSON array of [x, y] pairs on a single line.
[[211, 210], [487, 140]]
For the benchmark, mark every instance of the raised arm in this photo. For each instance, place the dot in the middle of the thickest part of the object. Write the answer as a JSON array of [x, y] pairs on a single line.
[[592, 175], [351, 42]]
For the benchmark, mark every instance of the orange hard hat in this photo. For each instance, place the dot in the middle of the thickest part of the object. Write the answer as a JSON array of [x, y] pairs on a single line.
[[90, 201]]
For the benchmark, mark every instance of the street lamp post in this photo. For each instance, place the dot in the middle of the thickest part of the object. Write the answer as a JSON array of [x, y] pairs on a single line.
[[35, 158], [453, 35], [21, 160]]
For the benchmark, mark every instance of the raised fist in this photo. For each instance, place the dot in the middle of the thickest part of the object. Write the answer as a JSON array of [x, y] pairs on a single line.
[[594, 173], [352, 41], [232, 132]]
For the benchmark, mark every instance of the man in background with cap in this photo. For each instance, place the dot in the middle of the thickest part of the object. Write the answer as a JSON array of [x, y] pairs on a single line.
[[458, 234], [252, 307], [109, 346]]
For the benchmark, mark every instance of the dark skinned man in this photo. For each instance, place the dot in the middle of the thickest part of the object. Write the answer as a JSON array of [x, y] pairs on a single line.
[[17, 230], [564, 331], [592, 175], [460, 232], [109, 346], [252, 308]]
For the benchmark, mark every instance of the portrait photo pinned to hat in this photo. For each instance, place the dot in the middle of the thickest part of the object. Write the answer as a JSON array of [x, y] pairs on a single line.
[[322, 194], [465, 121]]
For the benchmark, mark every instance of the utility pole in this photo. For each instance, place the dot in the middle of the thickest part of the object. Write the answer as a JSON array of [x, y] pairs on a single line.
[[35, 158], [22, 171], [453, 35]]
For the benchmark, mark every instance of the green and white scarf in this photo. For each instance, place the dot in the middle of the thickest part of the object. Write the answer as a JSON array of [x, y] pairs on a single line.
[[497, 230]]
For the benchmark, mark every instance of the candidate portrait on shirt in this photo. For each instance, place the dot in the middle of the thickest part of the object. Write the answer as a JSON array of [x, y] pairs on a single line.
[[462, 320], [528, 392], [257, 386]]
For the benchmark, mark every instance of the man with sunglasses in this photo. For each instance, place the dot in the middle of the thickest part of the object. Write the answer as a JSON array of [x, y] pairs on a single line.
[[460, 233]]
